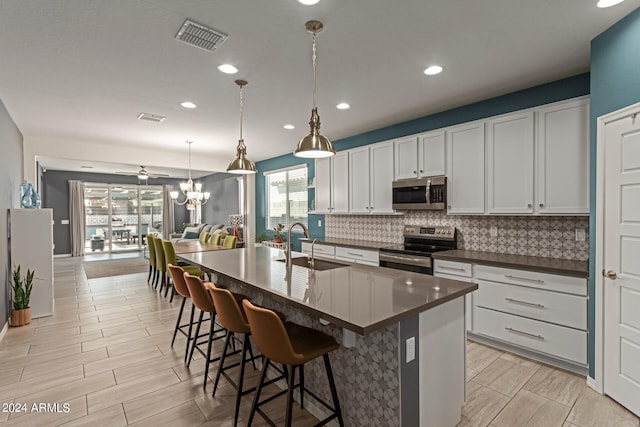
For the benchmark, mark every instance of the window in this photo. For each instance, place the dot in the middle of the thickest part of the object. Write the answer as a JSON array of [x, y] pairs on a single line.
[[286, 196]]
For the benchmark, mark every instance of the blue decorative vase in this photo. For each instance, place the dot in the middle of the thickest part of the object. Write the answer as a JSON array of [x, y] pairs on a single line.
[[29, 198]]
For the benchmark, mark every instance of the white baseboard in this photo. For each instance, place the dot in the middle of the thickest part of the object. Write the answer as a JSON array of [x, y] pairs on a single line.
[[62, 256], [594, 385], [3, 332]]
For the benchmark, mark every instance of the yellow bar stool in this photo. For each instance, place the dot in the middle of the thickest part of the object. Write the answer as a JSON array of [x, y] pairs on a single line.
[[171, 258], [292, 346], [152, 260]]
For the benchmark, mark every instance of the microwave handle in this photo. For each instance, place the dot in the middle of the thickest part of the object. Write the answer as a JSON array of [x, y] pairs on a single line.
[[428, 191]]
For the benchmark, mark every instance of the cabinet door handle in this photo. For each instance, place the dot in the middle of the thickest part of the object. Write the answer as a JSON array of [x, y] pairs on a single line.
[[515, 301], [354, 254], [541, 205], [450, 268], [421, 171], [540, 337], [415, 172], [508, 276], [529, 205]]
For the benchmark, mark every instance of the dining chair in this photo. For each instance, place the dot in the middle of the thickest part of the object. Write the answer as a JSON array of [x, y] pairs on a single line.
[[229, 242], [204, 237], [215, 238], [171, 258], [161, 264]]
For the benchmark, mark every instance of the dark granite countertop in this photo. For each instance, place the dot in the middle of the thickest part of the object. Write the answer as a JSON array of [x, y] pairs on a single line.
[[357, 297], [352, 243], [565, 267]]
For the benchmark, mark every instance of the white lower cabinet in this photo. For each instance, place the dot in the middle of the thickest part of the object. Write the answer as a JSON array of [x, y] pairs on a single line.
[[357, 255], [537, 312], [458, 271], [319, 250]]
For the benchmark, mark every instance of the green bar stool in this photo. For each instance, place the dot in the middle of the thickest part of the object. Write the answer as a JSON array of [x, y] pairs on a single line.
[[171, 258], [152, 260]]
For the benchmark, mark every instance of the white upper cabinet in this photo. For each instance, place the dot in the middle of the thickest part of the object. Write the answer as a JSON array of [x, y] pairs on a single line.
[[563, 158], [465, 169], [381, 177], [323, 185], [420, 156], [431, 154], [370, 178], [359, 180], [406, 160], [510, 160], [340, 183]]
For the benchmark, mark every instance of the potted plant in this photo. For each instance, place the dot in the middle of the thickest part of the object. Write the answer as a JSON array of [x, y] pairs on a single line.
[[277, 237], [21, 289], [260, 237]]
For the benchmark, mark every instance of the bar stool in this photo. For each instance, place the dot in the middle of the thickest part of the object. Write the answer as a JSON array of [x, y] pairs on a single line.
[[202, 300], [161, 264], [177, 276], [215, 238], [233, 320], [171, 258], [152, 260], [229, 242], [292, 346]]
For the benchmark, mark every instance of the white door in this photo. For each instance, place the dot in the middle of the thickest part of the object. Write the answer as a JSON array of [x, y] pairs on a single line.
[[406, 162], [431, 154], [621, 262], [465, 169], [323, 185], [340, 182]]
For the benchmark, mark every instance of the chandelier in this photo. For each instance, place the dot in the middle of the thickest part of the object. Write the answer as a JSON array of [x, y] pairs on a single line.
[[194, 196], [314, 145]]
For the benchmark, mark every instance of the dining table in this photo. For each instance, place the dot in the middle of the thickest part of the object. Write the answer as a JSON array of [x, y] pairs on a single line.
[[187, 247]]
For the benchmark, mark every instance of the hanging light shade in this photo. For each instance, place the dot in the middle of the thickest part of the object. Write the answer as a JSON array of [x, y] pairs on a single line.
[[314, 145], [241, 165]]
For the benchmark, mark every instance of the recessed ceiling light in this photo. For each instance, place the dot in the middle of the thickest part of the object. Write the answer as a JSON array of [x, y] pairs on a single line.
[[433, 70], [188, 104], [343, 106], [227, 69], [608, 3], [308, 2], [289, 127]]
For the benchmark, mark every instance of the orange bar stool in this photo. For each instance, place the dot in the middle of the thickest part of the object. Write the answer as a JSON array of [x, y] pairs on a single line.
[[177, 275], [292, 346], [201, 298], [152, 260], [233, 320]]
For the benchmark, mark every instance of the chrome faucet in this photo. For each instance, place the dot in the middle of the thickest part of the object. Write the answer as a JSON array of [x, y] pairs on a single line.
[[313, 258], [288, 251]]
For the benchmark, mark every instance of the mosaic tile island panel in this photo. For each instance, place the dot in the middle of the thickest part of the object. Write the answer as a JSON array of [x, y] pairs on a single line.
[[542, 236]]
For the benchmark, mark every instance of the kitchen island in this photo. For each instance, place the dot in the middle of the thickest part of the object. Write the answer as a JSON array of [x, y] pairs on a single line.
[[402, 361]]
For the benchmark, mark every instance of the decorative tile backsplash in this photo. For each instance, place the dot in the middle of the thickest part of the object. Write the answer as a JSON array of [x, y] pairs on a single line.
[[549, 237]]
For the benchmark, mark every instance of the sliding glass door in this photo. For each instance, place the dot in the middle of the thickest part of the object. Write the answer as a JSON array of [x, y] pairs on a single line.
[[119, 216]]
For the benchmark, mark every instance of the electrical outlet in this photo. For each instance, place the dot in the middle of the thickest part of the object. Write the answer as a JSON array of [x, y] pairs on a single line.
[[493, 231], [581, 235], [411, 349], [319, 223]]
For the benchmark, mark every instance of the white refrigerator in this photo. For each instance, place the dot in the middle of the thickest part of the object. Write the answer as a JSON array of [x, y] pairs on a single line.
[[31, 246]]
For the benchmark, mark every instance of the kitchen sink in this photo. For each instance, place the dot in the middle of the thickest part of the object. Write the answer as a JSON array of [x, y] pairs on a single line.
[[318, 264]]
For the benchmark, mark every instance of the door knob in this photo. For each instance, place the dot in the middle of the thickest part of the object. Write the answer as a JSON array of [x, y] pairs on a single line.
[[610, 274]]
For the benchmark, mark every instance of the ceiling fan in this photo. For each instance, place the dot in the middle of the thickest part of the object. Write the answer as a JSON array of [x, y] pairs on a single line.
[[143, 174]]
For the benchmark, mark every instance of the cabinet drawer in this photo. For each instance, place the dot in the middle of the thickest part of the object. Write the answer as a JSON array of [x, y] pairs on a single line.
[[550, 282], [562, 309], [319, 250], [554, 340], [451, 267], [357, 255]]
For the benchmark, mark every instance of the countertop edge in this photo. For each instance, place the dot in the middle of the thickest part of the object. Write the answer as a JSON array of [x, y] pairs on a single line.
[[472, 257]]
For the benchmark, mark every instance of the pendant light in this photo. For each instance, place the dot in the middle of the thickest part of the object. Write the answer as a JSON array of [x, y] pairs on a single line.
[[314, 145], [241, 165]]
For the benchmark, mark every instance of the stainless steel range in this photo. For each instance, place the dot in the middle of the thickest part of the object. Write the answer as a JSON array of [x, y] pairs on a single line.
[[419, 244]]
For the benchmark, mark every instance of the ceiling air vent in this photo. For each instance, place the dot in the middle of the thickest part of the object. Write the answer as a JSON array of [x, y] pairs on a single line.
[[200, 36], [151, 117]]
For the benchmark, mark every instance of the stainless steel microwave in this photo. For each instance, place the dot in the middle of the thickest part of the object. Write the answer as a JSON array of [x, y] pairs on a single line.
[[428, 193]]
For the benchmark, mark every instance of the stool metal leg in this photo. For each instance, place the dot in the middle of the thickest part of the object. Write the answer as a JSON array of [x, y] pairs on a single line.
[[245, 346], [254, 405], [150, 271], [195, 337], [221, 365], [334, 392], [186, 350], [287, 419], [209, 344], [301, 369], [175, 332]]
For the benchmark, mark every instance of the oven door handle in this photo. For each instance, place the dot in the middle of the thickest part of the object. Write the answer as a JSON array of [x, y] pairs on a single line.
[[418, 261]]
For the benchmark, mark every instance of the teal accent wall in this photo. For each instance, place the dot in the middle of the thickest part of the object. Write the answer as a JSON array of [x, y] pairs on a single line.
[[570, 87], [615, 83]]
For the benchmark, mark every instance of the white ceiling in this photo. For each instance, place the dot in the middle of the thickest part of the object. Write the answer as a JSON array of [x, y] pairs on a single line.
[[84, 70]]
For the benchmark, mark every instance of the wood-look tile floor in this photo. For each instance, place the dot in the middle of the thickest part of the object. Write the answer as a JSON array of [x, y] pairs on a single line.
[[105, 359]]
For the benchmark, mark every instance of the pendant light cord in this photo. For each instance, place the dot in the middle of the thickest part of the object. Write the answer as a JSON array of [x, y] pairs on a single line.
[[313, 57], [241, 112], [189, 142]]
